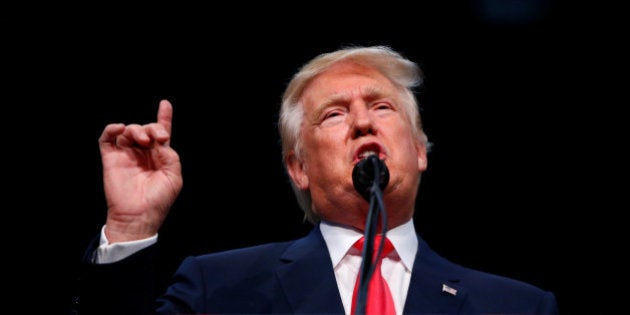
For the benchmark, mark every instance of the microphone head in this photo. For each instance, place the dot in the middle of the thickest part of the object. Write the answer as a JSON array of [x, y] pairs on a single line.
[[364, 174]]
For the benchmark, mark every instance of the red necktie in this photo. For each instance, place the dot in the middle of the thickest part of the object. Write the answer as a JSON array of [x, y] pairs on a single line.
[[379, 298]]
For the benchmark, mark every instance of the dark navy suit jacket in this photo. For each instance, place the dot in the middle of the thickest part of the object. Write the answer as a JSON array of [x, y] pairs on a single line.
[[297, 277]]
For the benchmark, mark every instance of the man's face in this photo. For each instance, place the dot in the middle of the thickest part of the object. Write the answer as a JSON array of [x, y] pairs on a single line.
[[350, 111]]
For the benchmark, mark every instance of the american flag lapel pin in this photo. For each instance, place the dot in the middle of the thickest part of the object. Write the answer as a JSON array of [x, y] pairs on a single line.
[[449, 290]]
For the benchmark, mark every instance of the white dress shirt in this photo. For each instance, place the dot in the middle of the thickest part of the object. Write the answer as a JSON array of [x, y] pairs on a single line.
[[346, 260], [107, 253]]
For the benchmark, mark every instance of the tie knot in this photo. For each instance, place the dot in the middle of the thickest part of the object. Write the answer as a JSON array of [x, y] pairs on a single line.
[[388, 247]]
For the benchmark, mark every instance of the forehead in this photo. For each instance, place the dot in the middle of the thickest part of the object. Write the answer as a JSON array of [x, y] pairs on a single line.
[[345, 75]]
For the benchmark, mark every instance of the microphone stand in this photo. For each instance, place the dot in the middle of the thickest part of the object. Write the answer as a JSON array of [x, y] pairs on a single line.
[[377, 207]]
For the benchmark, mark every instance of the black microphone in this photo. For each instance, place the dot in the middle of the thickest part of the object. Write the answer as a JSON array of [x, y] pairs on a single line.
[[368, 176], [364, 174]]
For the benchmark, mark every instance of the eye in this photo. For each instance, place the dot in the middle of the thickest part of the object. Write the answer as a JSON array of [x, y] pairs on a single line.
[[332, 114], [382, 106]]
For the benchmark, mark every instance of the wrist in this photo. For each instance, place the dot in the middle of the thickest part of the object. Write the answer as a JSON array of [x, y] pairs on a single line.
[[116, 231]]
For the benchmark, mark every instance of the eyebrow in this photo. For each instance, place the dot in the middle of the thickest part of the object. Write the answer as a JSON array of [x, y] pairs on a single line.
[[369, 92]]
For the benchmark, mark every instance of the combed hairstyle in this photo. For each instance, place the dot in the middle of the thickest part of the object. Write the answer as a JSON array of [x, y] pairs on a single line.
[[403, 73]]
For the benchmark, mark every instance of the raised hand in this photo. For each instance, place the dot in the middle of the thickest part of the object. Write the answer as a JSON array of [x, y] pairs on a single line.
[[142, 176]]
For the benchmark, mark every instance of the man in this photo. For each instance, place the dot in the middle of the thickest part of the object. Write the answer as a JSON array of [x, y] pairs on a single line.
[[340, 108]]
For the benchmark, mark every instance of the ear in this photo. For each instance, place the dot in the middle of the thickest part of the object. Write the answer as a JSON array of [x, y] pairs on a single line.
[[297, 170], [422, 156]]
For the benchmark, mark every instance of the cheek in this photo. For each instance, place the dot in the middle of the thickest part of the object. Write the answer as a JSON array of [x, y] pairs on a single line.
[[323, 142], [326, 157], [409, 150]]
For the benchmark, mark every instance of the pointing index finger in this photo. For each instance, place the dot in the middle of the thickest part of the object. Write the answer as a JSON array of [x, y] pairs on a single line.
[[165, 115]]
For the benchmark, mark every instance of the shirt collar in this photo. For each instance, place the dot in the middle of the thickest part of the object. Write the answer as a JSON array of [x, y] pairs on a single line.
[[340, 238]]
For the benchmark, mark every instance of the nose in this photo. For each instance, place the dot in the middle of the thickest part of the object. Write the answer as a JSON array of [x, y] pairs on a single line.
[[363, 124]]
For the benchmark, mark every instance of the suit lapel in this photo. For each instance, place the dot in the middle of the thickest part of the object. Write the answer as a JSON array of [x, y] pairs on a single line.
[[308, 281], [434, 285], [307, 277]]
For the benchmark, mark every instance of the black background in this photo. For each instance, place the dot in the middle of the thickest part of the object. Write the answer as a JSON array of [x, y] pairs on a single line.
[[513, 101]]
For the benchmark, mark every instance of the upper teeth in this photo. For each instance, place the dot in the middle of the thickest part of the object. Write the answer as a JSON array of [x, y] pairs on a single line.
[[365, 154]]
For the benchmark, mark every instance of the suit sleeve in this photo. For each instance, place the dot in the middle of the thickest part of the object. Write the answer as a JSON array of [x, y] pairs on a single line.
[[127, 287], [185, 294], [548, 304]]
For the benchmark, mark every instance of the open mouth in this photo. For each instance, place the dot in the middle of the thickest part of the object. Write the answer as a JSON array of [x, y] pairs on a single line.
[[367, 150]]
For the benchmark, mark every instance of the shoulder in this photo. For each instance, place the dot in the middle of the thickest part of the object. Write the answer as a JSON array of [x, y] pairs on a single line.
[[481, 286], [491, 283], [240, 257], [493, 290], [269, 254]]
